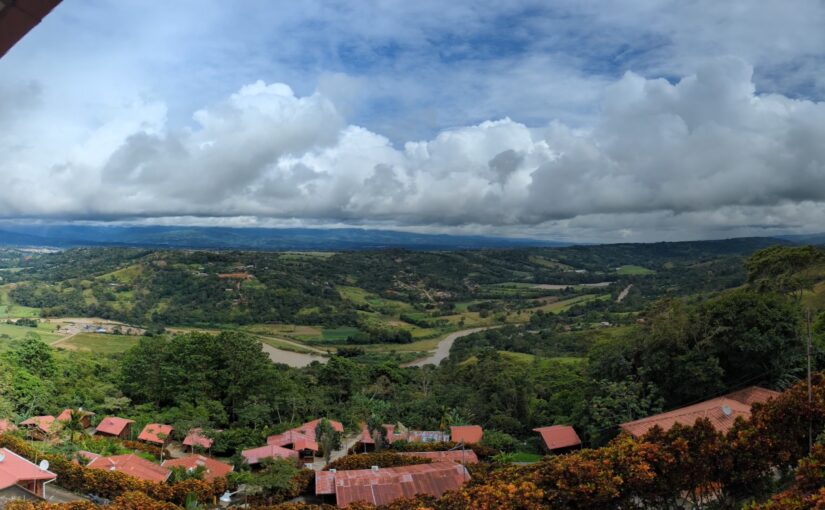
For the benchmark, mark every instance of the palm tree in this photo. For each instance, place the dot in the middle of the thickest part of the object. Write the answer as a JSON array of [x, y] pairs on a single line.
[[75, 424]]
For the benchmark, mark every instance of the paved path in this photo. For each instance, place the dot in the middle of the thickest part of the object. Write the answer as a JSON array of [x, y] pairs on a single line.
[[442, 352], [56, 494]]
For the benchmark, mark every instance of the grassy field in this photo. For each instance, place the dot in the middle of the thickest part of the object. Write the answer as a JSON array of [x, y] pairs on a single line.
[[11, 332], [526, 457], [561, 306], [9, 309], [634, 270], [99, 343], [286, 346]]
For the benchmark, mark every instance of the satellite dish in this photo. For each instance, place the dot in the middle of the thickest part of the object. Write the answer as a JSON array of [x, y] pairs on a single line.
[[227, 497], [2, 457], [44, 465], [727, 410]]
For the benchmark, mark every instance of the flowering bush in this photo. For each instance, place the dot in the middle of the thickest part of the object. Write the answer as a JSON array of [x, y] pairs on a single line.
[[380, 459]]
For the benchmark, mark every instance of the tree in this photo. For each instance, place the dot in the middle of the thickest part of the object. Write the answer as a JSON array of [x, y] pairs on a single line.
[[328, 438]]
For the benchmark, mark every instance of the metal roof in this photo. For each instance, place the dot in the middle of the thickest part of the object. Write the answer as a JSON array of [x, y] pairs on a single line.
[[559, 436], [383, 486]]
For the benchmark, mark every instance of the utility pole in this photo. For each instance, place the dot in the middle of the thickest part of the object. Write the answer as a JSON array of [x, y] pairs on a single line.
[[808, 343]]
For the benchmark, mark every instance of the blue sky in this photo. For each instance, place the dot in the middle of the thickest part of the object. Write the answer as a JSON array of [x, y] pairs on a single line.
[[578, 120]]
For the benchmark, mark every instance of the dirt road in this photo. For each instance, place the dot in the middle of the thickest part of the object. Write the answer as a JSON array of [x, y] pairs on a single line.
[[442, 352]]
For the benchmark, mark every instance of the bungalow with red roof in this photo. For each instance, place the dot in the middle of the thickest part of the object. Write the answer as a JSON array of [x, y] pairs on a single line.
[[40, 427], [255, 456], [296, 441], [365, 442], [721, 412], [113, 426], [212, 468], [21, 479], [85, 417], [131, 465], [467, 434], [156, 433], [7, 426], [385, 485], [559, 438], [195, 437], [308, 428]]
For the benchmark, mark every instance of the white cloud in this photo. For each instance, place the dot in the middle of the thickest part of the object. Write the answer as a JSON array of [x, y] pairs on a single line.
[[703, 156]]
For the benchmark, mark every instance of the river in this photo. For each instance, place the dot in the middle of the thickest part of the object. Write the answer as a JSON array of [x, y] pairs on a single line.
[[293, 359], [442, 351]]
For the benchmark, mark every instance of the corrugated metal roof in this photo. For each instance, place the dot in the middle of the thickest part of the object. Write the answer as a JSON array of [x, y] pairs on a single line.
[[213, 468], [721, 412], [113, 425], [131, 465], [195, 437], [385, 485], [559, 436], [44, 423], [270, 451], [294, 440], [157, 433]]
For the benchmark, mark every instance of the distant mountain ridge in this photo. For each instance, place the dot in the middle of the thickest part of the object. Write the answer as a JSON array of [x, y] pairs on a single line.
[[264, 239]]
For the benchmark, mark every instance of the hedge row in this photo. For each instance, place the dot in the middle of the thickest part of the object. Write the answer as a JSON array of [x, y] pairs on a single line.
[[380, 459]]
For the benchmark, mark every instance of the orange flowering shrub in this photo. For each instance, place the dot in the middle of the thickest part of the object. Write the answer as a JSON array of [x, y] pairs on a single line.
[[380, 459]]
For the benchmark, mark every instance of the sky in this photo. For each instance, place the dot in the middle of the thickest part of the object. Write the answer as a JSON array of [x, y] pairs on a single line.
[[585, 121]]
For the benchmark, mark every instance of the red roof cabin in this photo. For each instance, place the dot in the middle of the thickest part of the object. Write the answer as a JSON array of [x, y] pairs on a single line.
[[212, 468], [21, 479], [365, 442], [467, 434], [296, 441], [85, 417], [40, 427], [308, 428], [156, 433], [132, 465], [112, 426], [721, 412], [559, 438], [195, 437], [385, 485], [255, 456]]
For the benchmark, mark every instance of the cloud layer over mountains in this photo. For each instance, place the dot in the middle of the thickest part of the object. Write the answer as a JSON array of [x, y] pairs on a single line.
[[702, 154]]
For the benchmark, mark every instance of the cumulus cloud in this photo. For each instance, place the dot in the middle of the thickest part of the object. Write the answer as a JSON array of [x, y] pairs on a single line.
[[705, 154]]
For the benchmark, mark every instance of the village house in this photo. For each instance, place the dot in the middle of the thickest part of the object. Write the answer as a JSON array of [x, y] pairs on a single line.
[[112, 426], [255, 456], [721, 412], [381, 486], [365, 442], [129, 464], [467, 434], [559, 438], [296, 441], [156, 433], [85, 417], [21, 479], [212, 468], [39, 427], [196, 438]]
